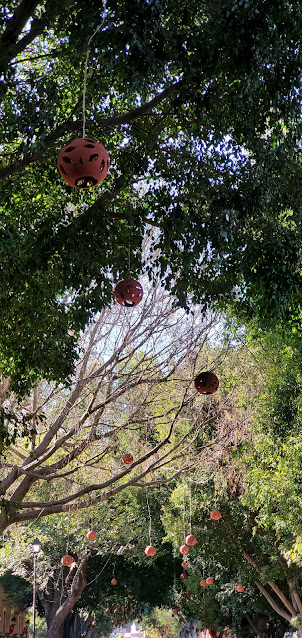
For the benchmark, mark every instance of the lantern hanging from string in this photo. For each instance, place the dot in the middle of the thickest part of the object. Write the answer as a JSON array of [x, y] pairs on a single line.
[[113, 581], [91, 535], [206, 383], [240, 589], [184, 564], [203, 583], [191, 540], [128, 292], [209, 580], [127, 458], [184, 549], [215, 515], [83, 163], [150, 550], [67, 560], [184, 575]]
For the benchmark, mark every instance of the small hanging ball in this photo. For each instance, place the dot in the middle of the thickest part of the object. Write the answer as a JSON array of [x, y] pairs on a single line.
[[91, 535], [67, 560], [188, 593], [184, 549], [127, 458], [191, 540], [114, 581], [150, 550], [209, 580], [184, 564], [206, 383], [181, 620], [184, 575], [203, 583], [183, 600], [93, 623], [128, 292], [107, 611], [83, 163], [240, 588], [175, 612], [215, 515]]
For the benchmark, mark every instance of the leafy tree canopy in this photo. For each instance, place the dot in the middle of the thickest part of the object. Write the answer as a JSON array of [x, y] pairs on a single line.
[[199, 107]]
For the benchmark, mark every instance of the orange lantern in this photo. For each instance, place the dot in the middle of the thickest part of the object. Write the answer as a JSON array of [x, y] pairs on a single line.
[[203, 583], [127, 458], [150, 550], [83, 163], [240, 588], [114, 581], [191, 540], [67, 560], [184, 549], [128, 292], [215, 515], [206, 383], [184, 564], [91, 535], [209, 580]]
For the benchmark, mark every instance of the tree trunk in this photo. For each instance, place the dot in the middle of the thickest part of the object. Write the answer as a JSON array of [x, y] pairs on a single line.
[[58, 604]]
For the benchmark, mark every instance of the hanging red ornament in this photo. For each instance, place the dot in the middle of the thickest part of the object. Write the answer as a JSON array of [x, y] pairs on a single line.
[[175, 612], [128, 292], [209, 580], [91, 535], [215, 515], [107, 611], [114, 581], [191, 540], [184, 564], [93, 623], [183, 600], [184, 549], [181, 620], [83, 163], [206, 383], [203, 583], [11, 629], [240, 588], [127, 458], [188, 593], [184, 575], [67, 560], [150, 550]]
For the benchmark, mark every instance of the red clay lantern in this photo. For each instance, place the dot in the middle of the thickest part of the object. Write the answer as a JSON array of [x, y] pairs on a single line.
[[107, 611], [206, 383], [83, 163], [93, 623], [11, 629], [183, 600], [191, 540], [67, 560], [175, 612], [240, 588], [209, 580], [127, 458], [114, 581], [203, 583], [91, 535], [184, 564], [181, 620], [150, 550], [184, 549], [128, 292], [215, 515], [184, 575], [188, 593]]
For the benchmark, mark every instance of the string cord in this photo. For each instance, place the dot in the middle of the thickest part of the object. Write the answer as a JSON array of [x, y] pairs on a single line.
[[150, 520], [86, 69]]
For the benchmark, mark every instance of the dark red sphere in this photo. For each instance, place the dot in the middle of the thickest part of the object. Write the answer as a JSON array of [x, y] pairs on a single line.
[[127, 458], [128, 292], [206, 383], [67, 560], [191, 540], [83, 163], [215, 515]]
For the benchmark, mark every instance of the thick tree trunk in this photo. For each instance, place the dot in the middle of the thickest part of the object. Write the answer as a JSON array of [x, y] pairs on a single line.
[[58, 604]]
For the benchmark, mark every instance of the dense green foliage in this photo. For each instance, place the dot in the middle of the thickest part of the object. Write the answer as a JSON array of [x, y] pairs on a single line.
[[199, 107]]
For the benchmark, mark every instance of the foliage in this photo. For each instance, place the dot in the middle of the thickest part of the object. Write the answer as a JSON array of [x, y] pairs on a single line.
[[17, 588], [199, 107]]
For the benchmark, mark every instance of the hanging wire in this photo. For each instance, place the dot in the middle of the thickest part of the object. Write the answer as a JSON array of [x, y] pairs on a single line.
[[190, 506], [68, 531], [184, 510], [86, 68], [150, 520]]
